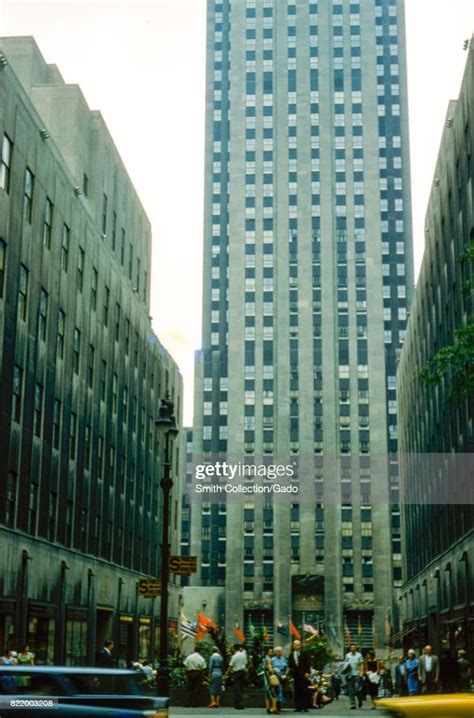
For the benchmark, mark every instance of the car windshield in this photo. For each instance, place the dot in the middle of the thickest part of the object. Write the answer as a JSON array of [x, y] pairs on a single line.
[[106, 684]]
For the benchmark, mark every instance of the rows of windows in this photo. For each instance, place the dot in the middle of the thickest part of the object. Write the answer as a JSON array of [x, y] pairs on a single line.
[[138, 278]]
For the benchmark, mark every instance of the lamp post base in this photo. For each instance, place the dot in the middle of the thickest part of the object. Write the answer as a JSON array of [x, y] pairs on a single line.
[[163, 682]]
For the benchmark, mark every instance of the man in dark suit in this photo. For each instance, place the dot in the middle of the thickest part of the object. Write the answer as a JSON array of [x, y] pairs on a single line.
[[429, 671], [300, 668], [103, 656]]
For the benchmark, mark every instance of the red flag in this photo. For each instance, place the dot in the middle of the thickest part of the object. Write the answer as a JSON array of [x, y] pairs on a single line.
[[201, 632], [239, 633], [294, 631], [206, 622]]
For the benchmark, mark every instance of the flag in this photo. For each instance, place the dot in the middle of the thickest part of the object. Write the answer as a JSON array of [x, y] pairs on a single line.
[[347, 634], [281, 629], [332, 631], [293, 630], [238, 633], [308, 628], [266, 635], [186, 627], [206, 622], [359, 626], [252, 630], [388, 627]]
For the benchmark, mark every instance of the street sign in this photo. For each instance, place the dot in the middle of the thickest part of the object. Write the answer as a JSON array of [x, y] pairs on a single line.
[[149, 587], [183, 565]]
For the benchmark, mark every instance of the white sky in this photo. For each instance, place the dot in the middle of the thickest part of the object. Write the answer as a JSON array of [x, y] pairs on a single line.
[[143, 65]]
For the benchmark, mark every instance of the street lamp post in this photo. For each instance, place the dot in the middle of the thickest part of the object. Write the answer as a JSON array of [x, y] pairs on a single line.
[[166, 424]]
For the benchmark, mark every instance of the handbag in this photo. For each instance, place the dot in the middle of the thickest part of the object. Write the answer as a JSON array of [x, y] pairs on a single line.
[[274, 680]]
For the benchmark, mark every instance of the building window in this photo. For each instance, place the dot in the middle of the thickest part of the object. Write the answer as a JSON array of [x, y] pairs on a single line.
[[80, 269], [43, 315], [17, 393], [10, 506], [6, 163], [106, 306], [114, 230], [94, 282], [56, 423], [23, 293], [103, 380], [130, 260], [73, 437], [87, 448], [47, 223], [3, 261], [104, 214], [65, 247], [90, 366], [28, 195], [117, 322], [76, 351], [61, 334], [122, 247], [100, 458], [114, 393], [38, 409]]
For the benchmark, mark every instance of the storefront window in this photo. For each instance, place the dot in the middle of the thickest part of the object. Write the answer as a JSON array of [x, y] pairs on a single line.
[[76, 642], [41, 638]]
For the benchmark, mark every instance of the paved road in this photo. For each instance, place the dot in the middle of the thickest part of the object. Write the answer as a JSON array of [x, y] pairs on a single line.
[[337, 709]]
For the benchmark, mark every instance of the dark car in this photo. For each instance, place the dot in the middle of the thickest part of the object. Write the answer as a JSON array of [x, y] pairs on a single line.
[[64, 691]]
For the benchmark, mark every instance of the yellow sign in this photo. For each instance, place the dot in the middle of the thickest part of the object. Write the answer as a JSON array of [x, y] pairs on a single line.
[[183, 565], [149, 587]]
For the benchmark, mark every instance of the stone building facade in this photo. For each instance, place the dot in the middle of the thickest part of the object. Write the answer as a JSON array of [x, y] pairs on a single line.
[[81, 377], [437, 427]]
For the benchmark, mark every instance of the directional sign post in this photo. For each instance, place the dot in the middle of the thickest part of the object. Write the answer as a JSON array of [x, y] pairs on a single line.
[[149, 587], [183, 565]]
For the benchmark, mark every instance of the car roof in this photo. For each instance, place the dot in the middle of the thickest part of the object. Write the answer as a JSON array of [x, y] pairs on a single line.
[[86, 670]]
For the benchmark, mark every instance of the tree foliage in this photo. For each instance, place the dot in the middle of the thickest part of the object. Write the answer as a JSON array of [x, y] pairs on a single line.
[[455, 361]]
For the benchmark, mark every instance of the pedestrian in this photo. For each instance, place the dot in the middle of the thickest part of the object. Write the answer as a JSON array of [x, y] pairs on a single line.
[[371, 676], [271, 681], [412, 666], [429, 671], [9, 659], [216, 670], [464, 684], [353, 666], [336, 685], [448, 672], [237, 666], [401, 677], [195, 666], [385, 681], [103, 656], [300, 670], [280, 667], [26, 657]]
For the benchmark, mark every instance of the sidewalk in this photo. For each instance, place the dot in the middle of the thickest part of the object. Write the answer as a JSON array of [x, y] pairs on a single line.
[[337, 709]]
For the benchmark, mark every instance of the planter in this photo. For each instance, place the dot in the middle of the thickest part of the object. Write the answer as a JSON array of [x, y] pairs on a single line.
[[253, 697]]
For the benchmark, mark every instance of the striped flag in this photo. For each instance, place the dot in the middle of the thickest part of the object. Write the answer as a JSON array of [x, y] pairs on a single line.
[[308, 628], [187, 628], [281, 629]]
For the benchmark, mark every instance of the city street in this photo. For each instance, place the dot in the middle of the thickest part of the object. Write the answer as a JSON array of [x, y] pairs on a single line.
[[338, 709]]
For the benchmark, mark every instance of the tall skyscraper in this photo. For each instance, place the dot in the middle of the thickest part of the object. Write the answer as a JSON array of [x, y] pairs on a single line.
[[308, 278]]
